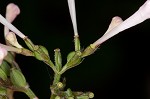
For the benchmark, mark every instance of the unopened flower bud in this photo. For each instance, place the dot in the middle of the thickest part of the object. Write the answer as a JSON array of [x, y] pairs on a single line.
[[45, 51], [41, 53], [17, 78], [12, 11], [58, 59], [70, 55], [5, 67], [73, 59], [3, 75]]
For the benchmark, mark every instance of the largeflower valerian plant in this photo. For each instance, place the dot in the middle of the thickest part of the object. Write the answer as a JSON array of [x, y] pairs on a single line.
[[11, 76]]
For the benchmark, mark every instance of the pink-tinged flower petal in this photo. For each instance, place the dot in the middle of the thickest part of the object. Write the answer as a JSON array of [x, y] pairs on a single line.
[[3, 53], [71, 4], [114, 22], [138, 17], [12, 11]]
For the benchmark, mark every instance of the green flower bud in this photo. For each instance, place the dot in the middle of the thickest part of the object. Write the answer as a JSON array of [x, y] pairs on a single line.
[[70, 55], [17, 78], [41, 53], [58, 59], [73, 59], [5, 67], [29, 43], [44, 50], [3, 75]]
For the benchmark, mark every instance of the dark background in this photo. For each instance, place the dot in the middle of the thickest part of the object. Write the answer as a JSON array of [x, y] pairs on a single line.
[[119, 69]]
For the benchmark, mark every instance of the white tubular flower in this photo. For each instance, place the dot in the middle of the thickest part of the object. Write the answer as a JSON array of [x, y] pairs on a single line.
[[71, 4], [138, 17], [3, 53], [11, 27], [12, 11]]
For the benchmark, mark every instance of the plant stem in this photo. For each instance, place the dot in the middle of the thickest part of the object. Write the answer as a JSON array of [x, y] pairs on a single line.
[[10, 94], [30, 94], [55, 81], [56, 78]]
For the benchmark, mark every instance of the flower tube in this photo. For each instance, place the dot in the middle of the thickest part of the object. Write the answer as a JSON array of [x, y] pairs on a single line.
[[71, 4], [11, 27], [138, 17], [12, 11]]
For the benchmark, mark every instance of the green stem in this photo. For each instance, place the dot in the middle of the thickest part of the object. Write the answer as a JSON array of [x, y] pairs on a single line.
[[56, 78], [55, 81], [30, 94], [50, 63]]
